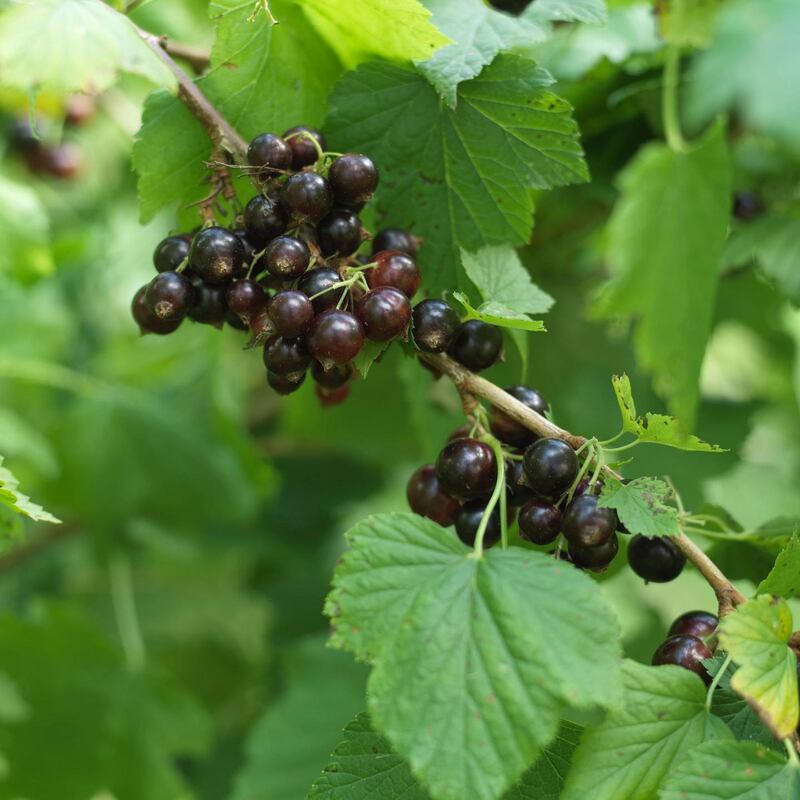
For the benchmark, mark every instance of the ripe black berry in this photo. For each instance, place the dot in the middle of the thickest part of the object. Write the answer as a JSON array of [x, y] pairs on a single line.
[[269, 152], [694, 623], [394, 239], [747, 206], [209, 304], [469, 519], [585, 486], [354, 178], [170, 295], [550, 467], [171, 252], [339, 233], [477, 345], [684, 651], [287, 257], [385, 313], [216, 255], [304, 152], [264, 219], [427, 498], [307, 197], [393, 268], [285, 384], [595, 558], [335, 336], [147, 321], [334, 377], [587, 524], [517, 493], [317, 283], [286, 356], [467, 468], [331, 397], [657, 560], [539, 521], [235, 322], [435, 325], [250, 251], [510, 431], [291, 313], [246, 298]]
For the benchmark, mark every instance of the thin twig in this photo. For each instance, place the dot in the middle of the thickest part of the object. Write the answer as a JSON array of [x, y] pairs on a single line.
[[196, 56]]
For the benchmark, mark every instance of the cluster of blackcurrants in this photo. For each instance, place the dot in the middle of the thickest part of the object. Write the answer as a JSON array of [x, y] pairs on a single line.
[[688, 642]]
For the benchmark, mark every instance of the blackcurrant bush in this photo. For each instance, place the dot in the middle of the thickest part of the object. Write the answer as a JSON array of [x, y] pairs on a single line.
[[694, 623], [467, 469], [291, 313], [287, 356], [285, 384], [317, 285], [539, 521], [147, 321], [264, 219], [509, 430], [307, 197], [657, 560], [394, 239], [435, 324], [246, 298], [209, 304], [334, 377], [287, 257], [304, 153], [170, 295], [747, 205], [517, 493], [353, 177], [384, 312], [469, 519], [335, 337], [550, 467], [595, 558], [393, 268], [586, 523], [269, 152], [477, 345], [171, 252], [339, 233], [427, 498], [684, 651], [216, 255]]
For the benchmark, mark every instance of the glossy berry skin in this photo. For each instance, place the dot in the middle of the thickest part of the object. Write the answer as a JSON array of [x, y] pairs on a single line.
[[584, 487], [250, 251], [269, 152], [235, 321], [209, 305], [246, 298], [394, 239], [170, 253], [287, 257], [510, 431], [550, 467], [477, 345], [435, 324], [216, 255], [539, 521], [290, 312], [586, 523], [335, 377], [517, 493], [467, 469], [657, 560], [285, 384], [303, 151], [469, 519], [286, 356], [393, 268], [384, 312], [694, 623], [339, 233], [264, 219], [316, 285], [307, 197], [427, 498], [354, 178], [335, 337], [147, 321], [170, 295], [684, 651], [594, 558]]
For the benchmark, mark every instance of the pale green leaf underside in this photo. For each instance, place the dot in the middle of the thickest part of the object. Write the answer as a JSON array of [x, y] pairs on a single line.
[[590, 11], [784, 577], [642, 507], [497, 314], [13, 499], [688, 22]]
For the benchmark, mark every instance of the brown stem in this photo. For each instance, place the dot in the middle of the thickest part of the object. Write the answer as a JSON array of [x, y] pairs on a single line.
[[198, 58]]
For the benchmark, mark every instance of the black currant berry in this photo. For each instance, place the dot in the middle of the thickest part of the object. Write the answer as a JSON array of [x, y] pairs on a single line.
[[209, 305], [393, 268], [694, 623], [747, 206], [334, 377], [250, 251], [435, 325], [246, 298], [170, 295], [684, 651], [585, 486], [469, 519], [286, 356], [586, 523], [595, 558], [269, 152], [384, 312], [291, 313], [467, 469], [517, 493], [285, 384], [317, 285], [216, 255], [335, 337], [550, 467], [510, 6], [657, 560], [394, 239], [147, 321], [477, 345], [353, 177], [427, 498], [64, 161], [171, 252], [304, 153], [264, 219], [539, 521], [235, 321], [307, 197], [287, 257], [509, 430], [339, 233]]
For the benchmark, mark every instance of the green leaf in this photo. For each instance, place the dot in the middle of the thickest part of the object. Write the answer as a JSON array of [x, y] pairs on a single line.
[[366, 767], [12, 498], [688, 22], [590, 11], [497, 314], [642, 506], [627, 756], [65, 46], [25, 254], [784, 578], [655, 428], [464, 686], [369, 354], [732, 771], [756, 635], [478, 33], [442, 178], [665, 242]]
